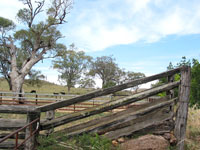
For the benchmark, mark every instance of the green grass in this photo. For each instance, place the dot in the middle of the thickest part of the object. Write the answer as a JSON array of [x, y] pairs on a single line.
[[83, 142]]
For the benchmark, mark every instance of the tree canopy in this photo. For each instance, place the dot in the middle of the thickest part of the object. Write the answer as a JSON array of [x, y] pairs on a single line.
[[195, 79], [105, 68], [71, 65]]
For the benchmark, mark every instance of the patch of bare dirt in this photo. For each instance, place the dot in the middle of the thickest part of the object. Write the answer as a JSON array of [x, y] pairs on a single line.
[[147, 142]]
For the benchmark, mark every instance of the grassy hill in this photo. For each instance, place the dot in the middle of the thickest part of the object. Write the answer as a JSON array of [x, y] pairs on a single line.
[[45, 87]]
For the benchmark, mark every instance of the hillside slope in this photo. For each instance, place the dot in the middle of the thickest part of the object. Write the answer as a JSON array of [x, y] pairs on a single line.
[[45, 87]]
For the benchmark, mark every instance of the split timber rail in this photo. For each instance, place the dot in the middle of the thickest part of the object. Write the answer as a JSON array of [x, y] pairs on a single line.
[[38, 99], [160, 116]]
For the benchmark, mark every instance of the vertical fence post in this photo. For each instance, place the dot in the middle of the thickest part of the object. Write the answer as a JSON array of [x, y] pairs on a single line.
[[31, 143], [1, 98], [170, 93], [49, 116], [182, 112], [36, 100], [16, 140]]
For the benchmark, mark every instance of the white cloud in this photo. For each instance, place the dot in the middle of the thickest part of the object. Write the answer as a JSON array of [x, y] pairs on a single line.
[[127, 21], [96, 25], [10, 8]]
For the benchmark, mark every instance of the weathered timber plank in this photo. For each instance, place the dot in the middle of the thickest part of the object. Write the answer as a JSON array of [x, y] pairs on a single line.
[[182, 113], [140, 123], [106, 91], [7, 145], [106, 106], [20, 136], [11, 124], [159, 129], [16, 109], [129, 111], [125, 120]]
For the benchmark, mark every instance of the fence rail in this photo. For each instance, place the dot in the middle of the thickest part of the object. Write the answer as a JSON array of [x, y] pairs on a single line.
[[35, 100]]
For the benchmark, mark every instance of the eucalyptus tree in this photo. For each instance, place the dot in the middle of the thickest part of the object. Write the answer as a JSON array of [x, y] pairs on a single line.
[[72, 65], [87, 82], [106, 69], [5, 26], [36, 41], [35, 78], [130, 75]]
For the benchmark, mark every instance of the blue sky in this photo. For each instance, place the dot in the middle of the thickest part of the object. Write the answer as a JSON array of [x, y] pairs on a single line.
[[143, 35]]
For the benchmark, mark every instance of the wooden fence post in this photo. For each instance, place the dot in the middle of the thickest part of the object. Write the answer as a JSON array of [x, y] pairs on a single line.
[[36, 100], [49, 116], [182, 112], [31, 143], [1, 98], [170, 93]]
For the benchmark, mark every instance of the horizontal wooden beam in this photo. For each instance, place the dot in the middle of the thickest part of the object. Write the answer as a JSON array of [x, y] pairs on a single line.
[[22, 109], [106, 91], [7, 145], [11, 124], [107, 106], [20, 136]]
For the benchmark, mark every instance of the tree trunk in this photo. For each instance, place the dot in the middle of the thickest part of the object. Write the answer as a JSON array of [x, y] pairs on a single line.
[[9, 83], [68, 88], [17, 81]]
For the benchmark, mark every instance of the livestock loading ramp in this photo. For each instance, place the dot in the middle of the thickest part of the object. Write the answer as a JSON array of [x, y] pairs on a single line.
[[159, 115]]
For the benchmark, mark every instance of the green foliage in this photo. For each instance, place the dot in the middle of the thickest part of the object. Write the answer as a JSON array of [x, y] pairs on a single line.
[[86, 82], [89, 142], [84, 142], [109, 84], [105, 68], [71, 65], [133, 76], [6, 24], [172, 147], [46, 141], [195, 83], [24, 15], [35, 78], [195, 79]]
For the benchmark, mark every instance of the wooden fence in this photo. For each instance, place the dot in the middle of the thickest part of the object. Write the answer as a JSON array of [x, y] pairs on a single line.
[[38, 99], [160, 115]]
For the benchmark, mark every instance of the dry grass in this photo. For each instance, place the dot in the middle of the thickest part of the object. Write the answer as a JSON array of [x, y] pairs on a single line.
[[193, 130], [46, 87]]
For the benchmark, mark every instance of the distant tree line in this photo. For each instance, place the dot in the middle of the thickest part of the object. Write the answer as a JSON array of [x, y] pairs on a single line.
[[76, 67]]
